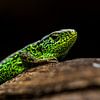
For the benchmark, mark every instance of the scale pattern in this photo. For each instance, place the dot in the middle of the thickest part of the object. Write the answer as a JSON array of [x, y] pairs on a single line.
[[50, 48]]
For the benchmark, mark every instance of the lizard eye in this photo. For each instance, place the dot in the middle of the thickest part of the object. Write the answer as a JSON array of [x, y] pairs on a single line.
[[54, 37]]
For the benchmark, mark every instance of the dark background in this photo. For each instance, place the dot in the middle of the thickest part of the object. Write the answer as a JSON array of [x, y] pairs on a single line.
[[25, 21]]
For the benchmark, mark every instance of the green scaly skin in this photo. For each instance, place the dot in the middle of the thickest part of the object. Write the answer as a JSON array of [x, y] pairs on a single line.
[[50, 48]]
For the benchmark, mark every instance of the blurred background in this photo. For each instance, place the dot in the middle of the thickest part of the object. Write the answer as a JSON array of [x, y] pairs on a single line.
[[23, 22]]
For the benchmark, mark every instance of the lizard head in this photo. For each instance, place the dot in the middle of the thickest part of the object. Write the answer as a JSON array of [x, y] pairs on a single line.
[[54, 45], [64, 37], [63, 40], [64, 33]]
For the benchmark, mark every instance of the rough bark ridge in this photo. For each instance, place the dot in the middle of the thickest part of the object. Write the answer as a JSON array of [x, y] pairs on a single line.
[[77, 79]]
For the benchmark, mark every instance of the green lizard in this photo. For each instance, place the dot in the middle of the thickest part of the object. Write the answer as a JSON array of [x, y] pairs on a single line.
[[50, 48]]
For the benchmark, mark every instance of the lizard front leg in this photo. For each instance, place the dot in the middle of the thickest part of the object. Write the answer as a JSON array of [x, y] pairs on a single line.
[[29, 60]]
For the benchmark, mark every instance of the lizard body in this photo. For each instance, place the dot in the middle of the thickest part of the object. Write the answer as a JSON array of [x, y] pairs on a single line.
[[52, 47]]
